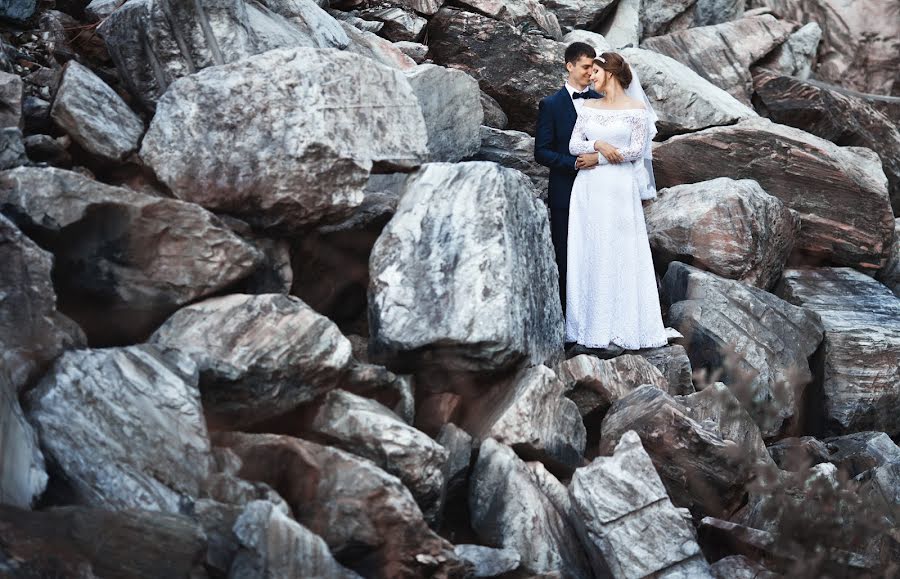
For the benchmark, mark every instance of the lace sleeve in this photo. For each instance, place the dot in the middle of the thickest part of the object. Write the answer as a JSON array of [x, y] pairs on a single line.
[[635, 148], [578, 144]]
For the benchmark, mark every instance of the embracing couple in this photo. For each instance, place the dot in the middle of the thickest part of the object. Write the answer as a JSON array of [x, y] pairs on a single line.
[[595, 135]]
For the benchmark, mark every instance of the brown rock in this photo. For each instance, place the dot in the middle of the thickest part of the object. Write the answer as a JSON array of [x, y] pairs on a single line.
[[594, 384]]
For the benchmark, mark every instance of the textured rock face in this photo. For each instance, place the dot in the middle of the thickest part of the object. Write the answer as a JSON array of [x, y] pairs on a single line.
[[32, 332], [94, 115], [861, 365], [536, 419], [275, 545], [493, 113], [23, 477], [890, 274], [625, 514], [860, 46], [623, 27], [830, 187], [258, 356], [482, 47], [760, 342], [513, 149], [316, 155], [700, 469], [594, 384], [399, 25], [451, 104], [675, 365], [372, 46], [463, 275], [723, 53], [124, 260], [836, 116], [579, 13], [731, 228], [368, 429], [684, 100], [12, 149], [11, 91], [155, 42], [525, 14], [488, 562], [662, 16], [124, 427], [17, 9], [796, 56], [367, 517], [861, 451], [510, 509]]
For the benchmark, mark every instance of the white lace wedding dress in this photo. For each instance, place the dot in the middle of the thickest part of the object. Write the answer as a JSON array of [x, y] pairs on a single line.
[[611, 295]]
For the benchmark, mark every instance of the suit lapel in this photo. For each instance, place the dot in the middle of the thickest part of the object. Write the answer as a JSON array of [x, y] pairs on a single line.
[[568, 107]]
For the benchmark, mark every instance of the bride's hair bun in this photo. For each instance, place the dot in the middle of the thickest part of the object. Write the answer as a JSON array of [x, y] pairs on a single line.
[[614, 63]]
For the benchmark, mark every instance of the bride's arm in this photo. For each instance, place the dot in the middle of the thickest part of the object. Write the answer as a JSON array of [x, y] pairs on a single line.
[[635, 148], [578, 144]]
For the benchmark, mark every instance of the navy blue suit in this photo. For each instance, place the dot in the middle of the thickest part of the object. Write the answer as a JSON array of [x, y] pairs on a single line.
[[556, 119]]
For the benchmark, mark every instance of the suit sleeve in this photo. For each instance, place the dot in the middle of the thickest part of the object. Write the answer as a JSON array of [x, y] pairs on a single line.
[[543, 141]]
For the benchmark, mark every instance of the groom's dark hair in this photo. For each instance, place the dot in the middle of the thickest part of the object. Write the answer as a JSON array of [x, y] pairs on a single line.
[[578, 49]]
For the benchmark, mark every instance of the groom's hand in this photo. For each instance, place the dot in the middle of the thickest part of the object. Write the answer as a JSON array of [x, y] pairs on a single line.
[[587, 160]]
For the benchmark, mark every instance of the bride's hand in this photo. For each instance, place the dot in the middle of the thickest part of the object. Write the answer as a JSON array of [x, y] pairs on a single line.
[[611, 153]]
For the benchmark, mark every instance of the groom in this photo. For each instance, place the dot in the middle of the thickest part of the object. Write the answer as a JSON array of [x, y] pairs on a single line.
[[556, 119]]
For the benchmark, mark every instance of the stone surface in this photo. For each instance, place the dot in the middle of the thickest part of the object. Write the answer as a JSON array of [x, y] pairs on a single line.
[[12, 149], [258, 356], [458, 443], [795, 454], [731, 228], [833, 189], [370, 45], [798, 53], [622, 28], [625, 515], [124, 260], [272, 544], [424, 7], [11, 93], [860, 368], [510, 509], [328, 160], [399, 24], [124, 427], [462, 275], [684, 100], [368, 429], [488, 562], [155, 42], [675, 365], [723, 53], [23, 476], [513, 149], [17, 9], [740, 567], [414, 50], [97, 10], [95, 116], [493, 113], [759, 343], [836, 116], [450, 101], [889, 275], [527, 15], [46, 149], [594, 384], [367, 517], [481, 46], [598, 41], [32, 331], [861, 451]]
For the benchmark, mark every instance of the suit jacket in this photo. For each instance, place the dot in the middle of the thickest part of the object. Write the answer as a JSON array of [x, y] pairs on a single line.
[[556, 119]]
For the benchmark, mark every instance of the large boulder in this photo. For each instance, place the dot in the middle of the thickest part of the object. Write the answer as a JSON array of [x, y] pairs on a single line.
[[625, 515], [513, 149], [525, 14], [23, 476], [20, 10], [723, 53], [731, 228], [510, 509], [828, 186], [594, 384], [374, 47], [890, 273], [369, 520], [124, 260], [797, 55], [317, 157], [579, 14], [515, 68], [155, 42], [623, 27], [258, 356], [684, 100], [124, 427], [833, 115], [759, 343], [463, 276], [11, 93], [861, 351], [663, 16]]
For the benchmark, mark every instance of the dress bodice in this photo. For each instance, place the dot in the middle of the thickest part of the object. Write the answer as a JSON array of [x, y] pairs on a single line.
[[624, 129]]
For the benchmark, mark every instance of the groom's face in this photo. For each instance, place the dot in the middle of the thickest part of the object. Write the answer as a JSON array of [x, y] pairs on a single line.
[[580, 71]]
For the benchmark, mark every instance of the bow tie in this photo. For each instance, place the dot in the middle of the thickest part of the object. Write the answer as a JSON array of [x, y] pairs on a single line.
[[582, 95]]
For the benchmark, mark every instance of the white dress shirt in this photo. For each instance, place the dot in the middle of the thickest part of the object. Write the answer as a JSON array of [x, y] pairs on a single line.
[[577, 102]]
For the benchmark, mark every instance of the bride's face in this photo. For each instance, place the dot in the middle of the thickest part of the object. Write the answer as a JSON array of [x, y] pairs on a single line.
[[599, 78]]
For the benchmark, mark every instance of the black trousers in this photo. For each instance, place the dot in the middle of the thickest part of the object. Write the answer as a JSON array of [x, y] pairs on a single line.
[[559, 232]]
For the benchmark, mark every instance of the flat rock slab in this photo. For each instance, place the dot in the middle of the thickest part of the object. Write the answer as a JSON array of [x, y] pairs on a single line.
[[861, 365], [23, 474], [513, 149]]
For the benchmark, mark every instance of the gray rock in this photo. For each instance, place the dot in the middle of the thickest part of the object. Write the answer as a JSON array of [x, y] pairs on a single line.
[[125, 427], [488, 562], [740, 567], [889, 275], [759, 343], [582, 14], [36, 113], [861, 365], [510, 509], [795, 454], [313, 176], [97, 10], [458, 443], [95, 116], [124, 260], [731, 228], [310, 17], [598, 41], [273, 545], [414, 50], [675, 365], [374, 47], [861, 451], [369, 520], [797, 55], [493, 113], [723, 53], [465, 234], [423, 7], [657, 16], [23, 476], [625, 515], [828, 186], [451, 105], [32, 332], [155, 42], [17, 9], [399, 24], [594, 384], [368, 429], [46, 149], [623, 28], [684, 100], [523, 14], [11, 93], [12, 149], [513, 149], [258, 356]]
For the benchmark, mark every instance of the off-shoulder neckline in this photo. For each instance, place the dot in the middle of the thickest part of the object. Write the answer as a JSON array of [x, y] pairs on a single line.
[[613, 110]]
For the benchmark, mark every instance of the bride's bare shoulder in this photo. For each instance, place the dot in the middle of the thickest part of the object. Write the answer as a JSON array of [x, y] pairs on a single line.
[[636, 104]]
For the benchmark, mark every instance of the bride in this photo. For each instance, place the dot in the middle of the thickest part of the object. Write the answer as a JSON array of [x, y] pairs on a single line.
[[611, 296]]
